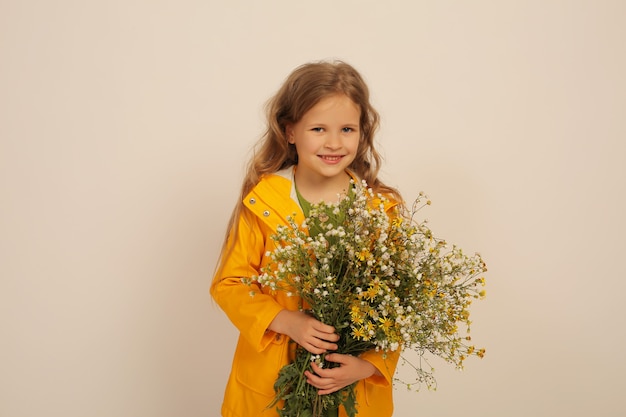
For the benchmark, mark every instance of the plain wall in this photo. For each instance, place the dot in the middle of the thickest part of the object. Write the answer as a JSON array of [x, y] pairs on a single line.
[[124, 129]]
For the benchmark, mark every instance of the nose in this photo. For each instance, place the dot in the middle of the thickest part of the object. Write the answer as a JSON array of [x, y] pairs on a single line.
[[333, 140]]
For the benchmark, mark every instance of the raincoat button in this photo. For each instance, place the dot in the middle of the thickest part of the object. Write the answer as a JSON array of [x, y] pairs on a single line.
[[266, 213], [252, 200]]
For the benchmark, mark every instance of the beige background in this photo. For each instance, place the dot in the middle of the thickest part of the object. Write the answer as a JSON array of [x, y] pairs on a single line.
[[124, 126]]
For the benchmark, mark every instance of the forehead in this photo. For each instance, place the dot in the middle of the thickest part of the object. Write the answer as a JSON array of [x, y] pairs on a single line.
[[337, 106]]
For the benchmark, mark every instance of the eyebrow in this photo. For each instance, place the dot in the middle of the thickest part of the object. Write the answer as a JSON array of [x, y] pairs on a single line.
[[326, 124]]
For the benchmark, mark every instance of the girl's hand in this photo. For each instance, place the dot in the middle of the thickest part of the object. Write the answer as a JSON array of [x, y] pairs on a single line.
[[350, 369], [308, 332]]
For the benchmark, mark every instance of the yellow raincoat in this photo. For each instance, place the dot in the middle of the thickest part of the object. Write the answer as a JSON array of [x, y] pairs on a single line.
[[261, 353]]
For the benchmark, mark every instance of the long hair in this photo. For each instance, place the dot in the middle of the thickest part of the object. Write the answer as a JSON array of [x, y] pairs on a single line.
[[303, 89]]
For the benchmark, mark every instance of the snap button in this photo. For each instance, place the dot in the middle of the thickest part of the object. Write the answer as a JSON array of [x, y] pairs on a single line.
[[252, 200], [266, 213]]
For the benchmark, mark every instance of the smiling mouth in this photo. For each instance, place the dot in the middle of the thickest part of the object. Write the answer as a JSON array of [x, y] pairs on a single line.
[[331, 158]]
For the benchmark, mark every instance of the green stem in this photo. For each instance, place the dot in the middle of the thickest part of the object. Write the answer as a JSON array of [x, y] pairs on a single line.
[[305, 364]]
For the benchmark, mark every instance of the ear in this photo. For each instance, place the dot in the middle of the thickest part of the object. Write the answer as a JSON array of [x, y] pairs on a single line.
[[289, 133]]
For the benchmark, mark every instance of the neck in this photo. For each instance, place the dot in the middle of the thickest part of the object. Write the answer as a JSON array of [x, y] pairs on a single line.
[[328, 190]]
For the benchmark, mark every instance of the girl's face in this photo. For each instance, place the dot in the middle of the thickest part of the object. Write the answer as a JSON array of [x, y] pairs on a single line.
[[326, 138]]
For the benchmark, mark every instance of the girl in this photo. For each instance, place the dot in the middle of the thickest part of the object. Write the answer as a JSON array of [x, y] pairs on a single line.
[[320, 135]]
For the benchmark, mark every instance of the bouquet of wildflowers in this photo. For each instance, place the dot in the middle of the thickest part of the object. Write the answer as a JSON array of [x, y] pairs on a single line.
[[384, 283]]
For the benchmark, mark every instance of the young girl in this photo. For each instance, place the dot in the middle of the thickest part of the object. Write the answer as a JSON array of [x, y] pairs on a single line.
[[320, 135]]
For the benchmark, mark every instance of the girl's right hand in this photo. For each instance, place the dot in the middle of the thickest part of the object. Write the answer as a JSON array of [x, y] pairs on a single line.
[[307, 331]]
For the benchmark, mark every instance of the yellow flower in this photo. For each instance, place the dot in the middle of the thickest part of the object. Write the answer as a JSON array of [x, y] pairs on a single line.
[[386, 322], [359, 332], [372, 292], [363, 255], [356, 315]]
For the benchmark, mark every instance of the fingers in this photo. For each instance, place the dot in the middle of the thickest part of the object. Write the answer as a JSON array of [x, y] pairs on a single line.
[[322, 379], [317, 380], [317, 346], [318, 370], [337, 357], [320, 337], [307, 331], [326, 330], [326, 341], [328, 380]]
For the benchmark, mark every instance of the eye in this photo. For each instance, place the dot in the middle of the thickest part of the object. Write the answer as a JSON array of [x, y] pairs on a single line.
[[317, 129], [347, 130]]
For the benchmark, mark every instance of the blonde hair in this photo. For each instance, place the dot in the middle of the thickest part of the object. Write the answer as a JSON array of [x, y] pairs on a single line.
[[303, 89]]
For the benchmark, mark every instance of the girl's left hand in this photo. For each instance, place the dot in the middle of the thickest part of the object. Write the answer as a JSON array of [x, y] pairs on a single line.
[[350, 369]]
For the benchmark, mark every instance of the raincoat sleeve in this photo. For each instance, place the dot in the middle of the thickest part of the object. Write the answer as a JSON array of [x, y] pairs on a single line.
[[249, 309], [385, 362]]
